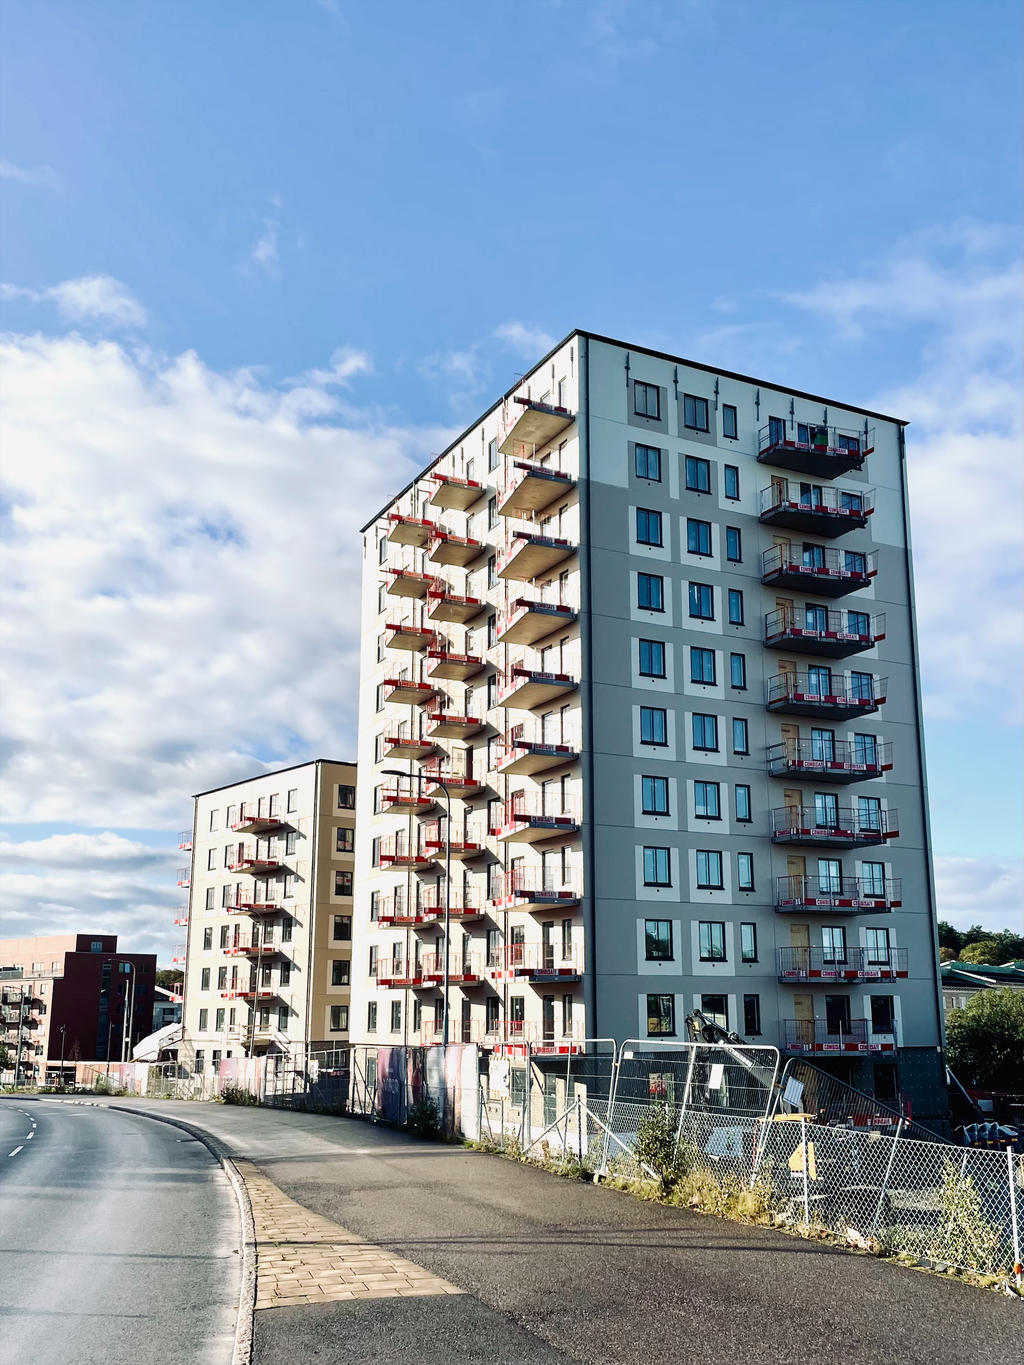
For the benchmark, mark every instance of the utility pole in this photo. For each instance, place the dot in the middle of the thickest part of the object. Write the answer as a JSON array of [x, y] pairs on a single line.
[[129, 1013], [63, 1039]]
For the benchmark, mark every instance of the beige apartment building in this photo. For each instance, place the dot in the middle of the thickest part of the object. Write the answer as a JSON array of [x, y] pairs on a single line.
[[267, 957]]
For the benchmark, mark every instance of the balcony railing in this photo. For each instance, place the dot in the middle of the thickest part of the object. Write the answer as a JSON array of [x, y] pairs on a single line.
[[833, 634], [447, 548], [835, 761], [534, 962], [531, 554], [455, 494], [453, 606], [452, 725], [528, 751], [539, 1037], [257, 901], [526, 818], [838, 827], [822, 1035], [410, 582], [526, 686], [462, 970], [821, 510], [528, 620], [446, 663], [184, 876], [827, 693], [824, 570], [814, 447], [400, 911], [410, 797], [248, 858], [398, 853], [408, 636], [537, 888], [530, 426], [390, 972], [185, 840], [532, 487], [406, 692], [404, 746], [850, 964], [403, 530], [458, 781], [855, 895], [251, 820]]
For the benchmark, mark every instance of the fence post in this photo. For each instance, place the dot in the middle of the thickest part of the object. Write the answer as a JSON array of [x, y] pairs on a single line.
[[885, 1178], [1013, 1215], [686, 1094], [579, 1128], [807, 1193]]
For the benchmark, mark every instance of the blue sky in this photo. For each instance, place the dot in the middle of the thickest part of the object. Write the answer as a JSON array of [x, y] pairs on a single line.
[[261, 260]]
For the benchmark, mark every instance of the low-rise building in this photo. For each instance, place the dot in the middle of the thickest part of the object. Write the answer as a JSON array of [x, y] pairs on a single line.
[[962, 980]]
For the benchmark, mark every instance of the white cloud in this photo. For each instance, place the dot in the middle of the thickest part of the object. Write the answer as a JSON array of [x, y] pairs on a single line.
[[90, 298], [263, 253], [42, 177], [985, 891], [530, 342]]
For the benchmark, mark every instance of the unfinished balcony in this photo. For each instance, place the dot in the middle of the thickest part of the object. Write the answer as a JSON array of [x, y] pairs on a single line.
[[822, 511], [808, 966], [251, 820], [181, 918], [453, 725], [409, 800], [829, 760], [253, 995], [399, 853], [409, 582], [407, 635], [185, 841], [178, 957], [535, 963], [528, 620], [454, 494], [257, 861], [462, 970], [256, 949], [521, 1037], [257, 901], [532, 487], [462, 845], [533, 426], [447, 548], [402, 746], [800, 1036], [821, 570], [525, 687], [840, 895], [530, 554], [526, 819], [528, 752], [453, 667], [823, 633], [183, 877], [406, 692], [403, 530], [833, 826], [461, 785], [826, 694], [453, 608], [396, 973], [814, 447], [535, 888]]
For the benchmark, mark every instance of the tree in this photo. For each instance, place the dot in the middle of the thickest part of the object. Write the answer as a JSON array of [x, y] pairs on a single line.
[[6, 1060], [947, 954], [985, 1040], [982, 950], [169, 977]]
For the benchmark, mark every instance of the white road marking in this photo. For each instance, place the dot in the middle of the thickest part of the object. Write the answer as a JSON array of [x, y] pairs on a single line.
[[15, 1152], [29, 1137]]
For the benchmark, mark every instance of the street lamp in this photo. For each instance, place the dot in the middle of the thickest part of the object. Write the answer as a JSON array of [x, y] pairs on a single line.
[[418, 777], [129, 1013], [63, 1033]]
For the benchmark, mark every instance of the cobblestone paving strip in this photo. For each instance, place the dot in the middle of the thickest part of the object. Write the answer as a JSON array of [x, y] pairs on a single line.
[[303, 1258]]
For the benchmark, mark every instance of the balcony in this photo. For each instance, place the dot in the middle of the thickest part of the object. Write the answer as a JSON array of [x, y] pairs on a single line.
[[414, 531], [445, 663], [524, 688], [518, 1035], [826, 694], [185, 841], [532, 555], [450, 725], [528, 621], [396, 853], [536, 425], [254, 903], [808, 965], [178, 957], [405, 635], [254, 861], [838, 827], [465, 907], [821, 511], [529, 888], [410, 800], [524, 820], [396, 972], [534, 963], [464, 843], [462, 971], [254, 995], [184, 876], [452, 607], [846, 895], [254, 950], [460, 783], [822, 1035], [399, 746], [827, 634], [409, 582], [446, 548], [181, 918], [524, 754], [831, 761], [822, 570], [814, 448], [531, 488], [405, 692], [455, 494], [252, 821]]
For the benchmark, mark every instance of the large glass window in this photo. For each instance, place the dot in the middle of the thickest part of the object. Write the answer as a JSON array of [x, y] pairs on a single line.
[[698, 536], [731, 480], [646, 399], [712, 941], [657, 867], [876, 942], [661, 1016], [658, 940], [740, 736], [737, 670], [729, 425], [647, 462], [702, 665], [733, 544], [735, 607], [654, 792], [702, 602], [648, 526], [744, 871], [652, 658], [748, 942], [698, 474], [709, 869], [741, 794], [653, 725], [705, 731], [706, 800], [695, 412], [650, 591]]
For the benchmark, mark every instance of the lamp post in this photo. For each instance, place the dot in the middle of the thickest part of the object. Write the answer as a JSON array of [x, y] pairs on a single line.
[[63, 1033], [129, 1014]]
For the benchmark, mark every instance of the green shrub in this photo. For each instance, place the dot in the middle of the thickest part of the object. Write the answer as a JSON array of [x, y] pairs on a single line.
[[424, 1119], [237, 1094], [657, 1148]]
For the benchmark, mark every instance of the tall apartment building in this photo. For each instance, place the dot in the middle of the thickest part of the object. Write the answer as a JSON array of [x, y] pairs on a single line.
[[651, 624], [268, 955]]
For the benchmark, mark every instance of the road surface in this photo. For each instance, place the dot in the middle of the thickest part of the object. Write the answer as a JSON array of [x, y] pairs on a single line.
[[119, 1240]]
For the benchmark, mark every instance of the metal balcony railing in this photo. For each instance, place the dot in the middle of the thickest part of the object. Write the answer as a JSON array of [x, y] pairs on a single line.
[[535, 960], [185, 840], [545, 886], [832, 1035], [826, 691], [850, 964], [810, 506], [462, 968], [825, 568], [823, 630], [841, 825], [814, 447], [530, 807], [821, 759], [839, 893]]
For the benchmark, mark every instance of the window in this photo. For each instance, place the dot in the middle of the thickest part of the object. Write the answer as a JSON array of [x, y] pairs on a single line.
[[343, 883], [371, 1016], [346, 797], [748, 942], [729, 424], [647, 462], [657, 867], [695, 412], [339, 1018], [712, 941], [207, 939], [652, 659], [702, 665], [752, 1015], [204, 1020], [287, 923], [706, 800], [661, 1016], [492, 455], [653, 725], [702, 602], [865, 750], [744, 871], [869, 813], [492, 513], [658, 940], [737, 670], [883, 1014], [648, 526], [650, 591], [698, 474], [856, 562], [705, 731], [218, 1021], [740, 737], [344, 840], [709, 869], [396, 1016], [211, 860], [733, 544], [283, 1015], [885, 1080], [715, 1008], [741, 796], [646, 399], [222, 977], [862, 685], [340, 972], [872, 879], [735, 607], [776, 430], [698, 536], [654, 795], [341, 931], [858, 623], [204, 979], [291, 843], [285, 974], [731, 480], [211, 894]]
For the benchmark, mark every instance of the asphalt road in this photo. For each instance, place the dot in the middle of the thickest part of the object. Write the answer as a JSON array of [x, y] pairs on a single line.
[[119, 1240], [562, 1271]]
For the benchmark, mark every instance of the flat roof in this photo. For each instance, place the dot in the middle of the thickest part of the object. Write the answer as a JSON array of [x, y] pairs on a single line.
[[643, 350], [292, 767]]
